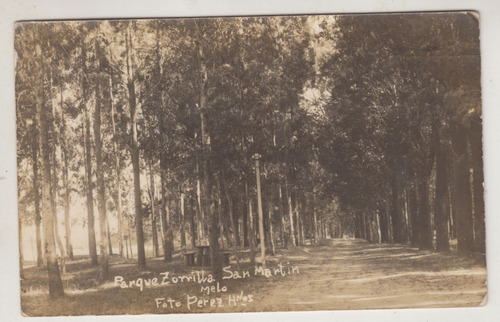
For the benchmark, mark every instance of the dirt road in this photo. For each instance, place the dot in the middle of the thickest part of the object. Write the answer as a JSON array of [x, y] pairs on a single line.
[[352, 274], [339, 274]]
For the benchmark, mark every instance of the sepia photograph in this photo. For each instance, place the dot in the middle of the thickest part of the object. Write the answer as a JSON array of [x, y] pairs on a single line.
[[250, 164]]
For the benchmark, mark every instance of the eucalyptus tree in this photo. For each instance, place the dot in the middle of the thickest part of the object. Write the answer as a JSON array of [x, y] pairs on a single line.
[[31, 46], [205, 34], [447, 62], [131, 78], [83, 90], [125, 64], [265, 73], [27, 162], [462, 102], [54, 73], [142, 66], [27, 132], [168, 134], [97, 65], [294, 67], [397, 84]]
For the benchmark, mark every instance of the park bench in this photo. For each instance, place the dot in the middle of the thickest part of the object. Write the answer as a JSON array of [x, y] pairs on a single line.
[[189, 258], [203, 255]]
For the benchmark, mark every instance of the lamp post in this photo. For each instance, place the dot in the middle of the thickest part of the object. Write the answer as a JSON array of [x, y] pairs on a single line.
[[256, 157]]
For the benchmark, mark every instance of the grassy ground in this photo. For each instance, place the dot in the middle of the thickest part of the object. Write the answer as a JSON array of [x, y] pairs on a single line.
[[336, 274]]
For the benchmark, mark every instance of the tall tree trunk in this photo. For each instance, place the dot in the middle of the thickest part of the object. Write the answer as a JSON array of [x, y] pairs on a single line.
[[182, 221], [261, 215], [101, 193], [244, 219], [396, 211], [315, 220], [36, 193], [54, 277], [248, 226], [384, 230], [60, 246], [129, 239], [271, 230], [251, 231], [424, 211], [290, 212], [367, 226], [193, 223], [125, 240], [64, 151], [414, 220], [463, 198], [141, 255], [108, 234], [357, 226], [289, 177], [234, 228], [165, 215], [167, 232], [453, 219], [87, 156], [89, 189], [377, 227], [218, 206], [441, 200], [208, 204], [134, 151], [54, 182], [404, 220], [300, 222], [297, 222], [236, 219], [362, 225], [476, 146], [374, 228], [152, 194], [284, 241], [67, 223], [170, 230], [117, 172], [201, 213]]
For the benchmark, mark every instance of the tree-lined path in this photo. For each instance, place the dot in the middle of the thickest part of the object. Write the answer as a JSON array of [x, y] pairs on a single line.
[[352, 274], [267, 139]]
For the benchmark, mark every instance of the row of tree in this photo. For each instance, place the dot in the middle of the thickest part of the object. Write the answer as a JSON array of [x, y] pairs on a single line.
[[405, 118], [366, 126]]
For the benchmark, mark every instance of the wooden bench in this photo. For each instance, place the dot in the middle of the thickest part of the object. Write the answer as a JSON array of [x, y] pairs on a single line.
[[189, 258], [203, 257]]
